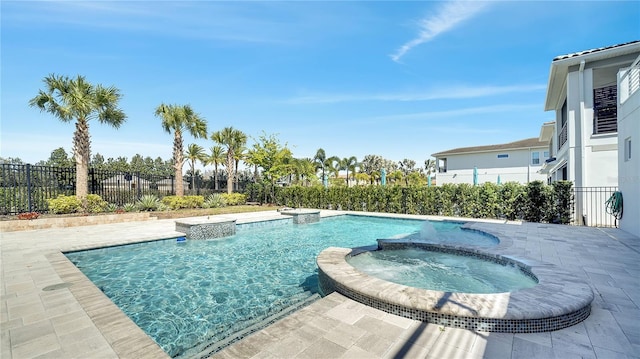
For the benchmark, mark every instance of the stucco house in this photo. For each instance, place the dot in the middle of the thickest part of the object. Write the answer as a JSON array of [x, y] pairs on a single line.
[[583, 91], [125, 182], [517, 161], [628, 144]]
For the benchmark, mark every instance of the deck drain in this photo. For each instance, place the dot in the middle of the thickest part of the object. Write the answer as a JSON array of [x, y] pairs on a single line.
[[57, 286]]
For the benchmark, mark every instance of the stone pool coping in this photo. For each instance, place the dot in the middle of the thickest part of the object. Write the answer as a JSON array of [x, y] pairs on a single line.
[[558, 301]]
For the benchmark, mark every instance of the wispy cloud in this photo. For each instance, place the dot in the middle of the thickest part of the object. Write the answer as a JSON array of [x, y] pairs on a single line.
[[457, 92], [463, 112], [446, 17]]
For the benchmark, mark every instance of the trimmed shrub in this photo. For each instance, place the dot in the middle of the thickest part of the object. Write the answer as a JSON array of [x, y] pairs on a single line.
[[563, 202], [64, 204], [234, 199], [538, 200], [176, 202], [95, 204]]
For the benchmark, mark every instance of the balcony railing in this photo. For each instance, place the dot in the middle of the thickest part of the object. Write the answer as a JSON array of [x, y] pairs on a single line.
[[562, 136], [630, 81]]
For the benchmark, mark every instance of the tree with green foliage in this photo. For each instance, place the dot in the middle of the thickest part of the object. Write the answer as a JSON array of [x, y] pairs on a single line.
[[274, 158], [97, 162], [350, 164], [239, 154], [59, 158], [406, 167], [216, 157], [75, 99], [232, 139], [429, 166], [320, 161], [194, 153], [180, 119]]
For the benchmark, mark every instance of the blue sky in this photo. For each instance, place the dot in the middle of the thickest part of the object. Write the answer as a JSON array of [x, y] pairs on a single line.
[[395, 79]]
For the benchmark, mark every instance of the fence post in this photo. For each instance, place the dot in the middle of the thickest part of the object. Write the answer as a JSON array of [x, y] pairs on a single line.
[[138, 190], [92, 178], [29, 199]]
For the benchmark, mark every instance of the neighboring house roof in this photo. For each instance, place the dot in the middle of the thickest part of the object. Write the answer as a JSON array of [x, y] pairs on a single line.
[[517, 145], [560, 67]]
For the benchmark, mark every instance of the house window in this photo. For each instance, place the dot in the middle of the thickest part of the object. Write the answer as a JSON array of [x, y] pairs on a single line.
[[546, 154], [503, 155], [535, 158], [627, 149], [605, 110], [562, 133]]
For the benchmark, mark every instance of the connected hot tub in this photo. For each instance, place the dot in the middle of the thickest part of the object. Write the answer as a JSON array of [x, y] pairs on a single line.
[[551, 298]]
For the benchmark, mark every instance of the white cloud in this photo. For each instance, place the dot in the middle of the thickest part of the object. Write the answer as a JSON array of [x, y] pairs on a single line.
[[463, 112], [446, 17], [441, 93]]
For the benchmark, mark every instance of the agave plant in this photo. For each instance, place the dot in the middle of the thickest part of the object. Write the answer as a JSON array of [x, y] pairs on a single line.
[[148, 202], [111, 207], [129, 207], [214, 200]]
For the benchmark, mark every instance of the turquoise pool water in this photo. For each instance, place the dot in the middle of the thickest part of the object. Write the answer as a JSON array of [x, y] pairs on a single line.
[[188, 294], [441, 271]]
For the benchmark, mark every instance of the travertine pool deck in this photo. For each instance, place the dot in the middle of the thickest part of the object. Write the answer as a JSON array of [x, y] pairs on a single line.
[[48, 309]]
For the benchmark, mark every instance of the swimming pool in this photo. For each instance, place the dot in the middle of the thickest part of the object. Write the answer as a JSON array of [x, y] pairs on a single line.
[[187, 295]]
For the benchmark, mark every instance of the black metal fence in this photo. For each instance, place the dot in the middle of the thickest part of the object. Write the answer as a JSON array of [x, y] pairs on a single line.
[[26, 188], [590, 206]]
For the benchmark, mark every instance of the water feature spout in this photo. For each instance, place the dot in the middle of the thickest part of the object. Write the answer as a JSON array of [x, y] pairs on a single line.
[[428, 231]]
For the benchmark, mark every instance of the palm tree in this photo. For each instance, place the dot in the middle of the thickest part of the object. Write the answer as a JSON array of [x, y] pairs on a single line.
[[430, 166], [194, 153], [216, 158], [76, 99], [252, 159], [350, 164], [239, 155], [319, 159], [230, 138], [406, 167], [334, 165], [180, 119]]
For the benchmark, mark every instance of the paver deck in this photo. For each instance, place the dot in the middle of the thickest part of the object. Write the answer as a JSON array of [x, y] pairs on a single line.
[[49, 309]]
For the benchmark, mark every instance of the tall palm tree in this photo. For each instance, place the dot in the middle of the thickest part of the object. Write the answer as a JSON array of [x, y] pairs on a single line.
[[305, 168], [180, 119], [76, 99], [215, 158], [430, 166], [319, 159], [334, 165], [239, 154], [350, 164], [194, 153], [230, 138], [252, 158], [406, 167]]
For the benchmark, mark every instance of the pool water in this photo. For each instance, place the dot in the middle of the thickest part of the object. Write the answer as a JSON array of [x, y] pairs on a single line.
[[187, 294], [441, 271]]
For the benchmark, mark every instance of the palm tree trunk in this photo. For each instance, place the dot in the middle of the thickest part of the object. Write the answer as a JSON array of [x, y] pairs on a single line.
[[230, 173], [215, 176], [81, 143], [179, 158]]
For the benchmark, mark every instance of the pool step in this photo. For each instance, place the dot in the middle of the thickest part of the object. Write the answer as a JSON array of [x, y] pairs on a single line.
[[206, 349]]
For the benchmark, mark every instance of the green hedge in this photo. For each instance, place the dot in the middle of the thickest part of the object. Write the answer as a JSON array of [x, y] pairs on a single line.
[[535, 202]]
